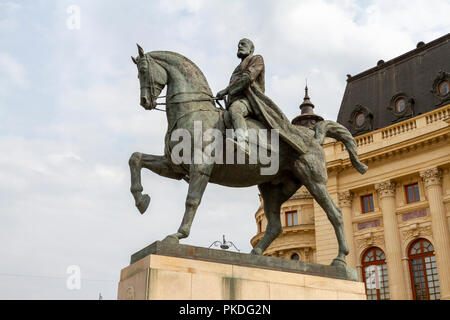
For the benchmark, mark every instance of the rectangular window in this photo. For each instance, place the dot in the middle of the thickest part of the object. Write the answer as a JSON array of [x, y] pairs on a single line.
[[259, 226], [367, 203], [412, 193], [291, 218]]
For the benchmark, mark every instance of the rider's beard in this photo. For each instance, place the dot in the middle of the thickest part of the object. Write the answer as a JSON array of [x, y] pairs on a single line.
[[242, 55]]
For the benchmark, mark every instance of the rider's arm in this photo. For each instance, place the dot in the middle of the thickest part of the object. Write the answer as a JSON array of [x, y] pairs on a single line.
[[255, 67], [249, 75]]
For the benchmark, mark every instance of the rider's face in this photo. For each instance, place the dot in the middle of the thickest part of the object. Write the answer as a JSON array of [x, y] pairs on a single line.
[[244, 49]]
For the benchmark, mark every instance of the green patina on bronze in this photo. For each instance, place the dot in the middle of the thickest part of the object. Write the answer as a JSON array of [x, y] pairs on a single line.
[[189, 99]]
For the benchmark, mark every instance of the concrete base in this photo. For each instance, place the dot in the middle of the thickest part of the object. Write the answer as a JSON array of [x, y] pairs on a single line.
[[170, 272]]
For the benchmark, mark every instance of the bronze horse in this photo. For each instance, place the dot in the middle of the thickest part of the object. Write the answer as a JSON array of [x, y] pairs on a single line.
[[189, 99]]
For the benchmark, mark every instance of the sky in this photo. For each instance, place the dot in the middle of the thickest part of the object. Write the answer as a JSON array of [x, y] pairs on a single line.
[[70, 118]]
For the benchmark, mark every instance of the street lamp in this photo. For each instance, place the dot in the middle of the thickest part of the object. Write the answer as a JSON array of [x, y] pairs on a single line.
[[224, 245]]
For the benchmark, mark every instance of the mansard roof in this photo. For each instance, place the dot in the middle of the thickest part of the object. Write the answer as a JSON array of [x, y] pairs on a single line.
[[370, 97]]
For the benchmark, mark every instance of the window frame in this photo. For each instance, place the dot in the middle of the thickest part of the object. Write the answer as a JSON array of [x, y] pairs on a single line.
[[368, 203], [289, 213], [397, 105], [413, 193], [374, 263], [440, 87], [421, 256], [362, 116]]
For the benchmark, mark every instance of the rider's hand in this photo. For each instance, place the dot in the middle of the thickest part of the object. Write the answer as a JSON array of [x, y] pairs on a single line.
[[222, 93]]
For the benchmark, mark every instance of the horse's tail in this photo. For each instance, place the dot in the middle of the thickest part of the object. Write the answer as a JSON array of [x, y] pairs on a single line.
[[337, 131]]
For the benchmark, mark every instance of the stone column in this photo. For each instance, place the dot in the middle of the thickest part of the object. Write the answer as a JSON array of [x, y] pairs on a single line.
[[405, 261], [386, 194], [359, 271], [432, 179], [345, 203]]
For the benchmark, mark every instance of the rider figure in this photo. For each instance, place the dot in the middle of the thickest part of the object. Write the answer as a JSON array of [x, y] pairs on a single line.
[[249, 72]]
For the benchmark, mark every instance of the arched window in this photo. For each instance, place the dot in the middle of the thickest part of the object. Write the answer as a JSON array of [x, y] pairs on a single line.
[[375, 274], [423, 270], [295, 256]]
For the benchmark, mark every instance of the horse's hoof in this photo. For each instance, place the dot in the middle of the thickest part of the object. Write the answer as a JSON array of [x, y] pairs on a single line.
[[172, 239], [142, 205], [339, 263], [256, 251]]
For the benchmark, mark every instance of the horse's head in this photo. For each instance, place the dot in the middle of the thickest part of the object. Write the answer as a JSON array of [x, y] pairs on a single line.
[[152, 78]]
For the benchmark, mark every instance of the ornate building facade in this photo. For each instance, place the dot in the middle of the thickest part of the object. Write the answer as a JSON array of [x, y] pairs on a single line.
[[397, 215]]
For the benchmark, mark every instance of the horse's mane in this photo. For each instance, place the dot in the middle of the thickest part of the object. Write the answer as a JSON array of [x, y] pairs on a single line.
[[182, 63]]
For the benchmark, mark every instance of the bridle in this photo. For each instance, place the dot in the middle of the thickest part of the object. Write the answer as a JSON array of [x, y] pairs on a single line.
[[154, 97]]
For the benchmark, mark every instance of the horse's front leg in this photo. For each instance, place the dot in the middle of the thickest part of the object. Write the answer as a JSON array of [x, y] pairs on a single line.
[[198, 179], [157, 164]]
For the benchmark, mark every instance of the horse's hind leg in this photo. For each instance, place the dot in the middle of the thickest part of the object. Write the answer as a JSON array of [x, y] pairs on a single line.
[[320, 193], [157, 164], [274, 196], [198, 180]]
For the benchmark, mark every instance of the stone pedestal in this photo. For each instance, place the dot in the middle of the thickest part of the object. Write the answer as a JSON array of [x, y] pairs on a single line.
[[170, 272]]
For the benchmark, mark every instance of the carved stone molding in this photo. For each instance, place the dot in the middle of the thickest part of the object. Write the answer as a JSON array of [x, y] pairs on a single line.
[[439, 98], [369, 239], [345, 198], [366, 124], [432, 176], [408, 108], [385, 189], [414, 231]]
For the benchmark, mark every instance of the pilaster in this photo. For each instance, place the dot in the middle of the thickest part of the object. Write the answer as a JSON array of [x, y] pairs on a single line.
[[386, 194], [345, 203], [432, 179]]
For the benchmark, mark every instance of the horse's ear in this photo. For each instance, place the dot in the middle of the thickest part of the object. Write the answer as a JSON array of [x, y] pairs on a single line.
[[140, 50], [133, 59]]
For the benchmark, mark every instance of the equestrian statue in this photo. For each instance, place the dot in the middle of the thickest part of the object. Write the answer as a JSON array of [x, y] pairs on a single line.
[[189, 102]]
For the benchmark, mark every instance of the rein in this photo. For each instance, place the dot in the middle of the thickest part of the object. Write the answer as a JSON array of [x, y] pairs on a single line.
[[153, 97], [211, 99]]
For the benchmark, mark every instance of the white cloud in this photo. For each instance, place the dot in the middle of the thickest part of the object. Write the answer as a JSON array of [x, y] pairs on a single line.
[[110, 174], [12, 71]]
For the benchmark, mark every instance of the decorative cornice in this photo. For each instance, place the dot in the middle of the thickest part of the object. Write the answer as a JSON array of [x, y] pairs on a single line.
[[345, 199], [379, 149], [414, 206], [385, 189], [386, 152], [368, 216], [432, 176]]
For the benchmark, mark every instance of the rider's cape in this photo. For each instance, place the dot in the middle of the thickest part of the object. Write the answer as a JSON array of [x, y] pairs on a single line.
[[267, 111], [263, 107]]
